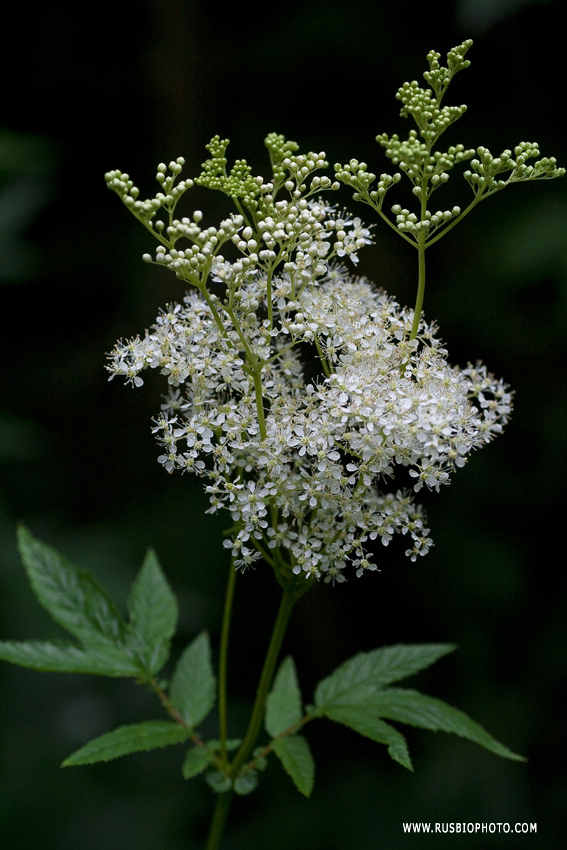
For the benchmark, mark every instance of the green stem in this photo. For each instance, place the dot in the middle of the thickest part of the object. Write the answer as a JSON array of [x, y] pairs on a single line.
[[420, 285], [223, 800], [219, 820], [223, 659], [288, 600], [269, 297], [382, 214], [206, 295], [327, 367], [255, 369], [258, 391]]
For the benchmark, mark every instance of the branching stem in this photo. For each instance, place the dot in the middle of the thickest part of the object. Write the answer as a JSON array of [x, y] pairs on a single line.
[[289, 598]]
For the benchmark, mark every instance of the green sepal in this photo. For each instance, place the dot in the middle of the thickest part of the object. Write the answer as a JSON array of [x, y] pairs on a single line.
[[424, 711], [196, 761], [62, 657], [153, 615], [284, 704], [70, 595], [357, 679], [135, 738], [193, 687], [295, 756], [364, 720]]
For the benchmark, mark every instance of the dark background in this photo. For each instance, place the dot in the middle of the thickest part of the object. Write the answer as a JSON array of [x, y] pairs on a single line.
[[126, 85]]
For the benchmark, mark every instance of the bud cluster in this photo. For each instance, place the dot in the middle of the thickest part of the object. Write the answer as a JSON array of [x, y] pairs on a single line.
[[409, 222], [427, 168], [486, 170], [167, 198]]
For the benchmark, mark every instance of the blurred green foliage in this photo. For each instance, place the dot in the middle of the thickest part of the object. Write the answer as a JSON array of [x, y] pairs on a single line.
[[129, 85]]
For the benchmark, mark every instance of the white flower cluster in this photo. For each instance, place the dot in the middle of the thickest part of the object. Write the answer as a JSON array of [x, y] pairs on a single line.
[[297, 454], [296, 459]]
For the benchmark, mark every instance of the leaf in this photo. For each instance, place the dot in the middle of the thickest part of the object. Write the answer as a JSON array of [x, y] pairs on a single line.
[[246, 783], [428, 713], [196, 761], [360, 677], [364, 720], [295, 755], [70, 595], [153, 615], [283, 706], [67, 658], [152, 605], [150, 735], [193, 686]]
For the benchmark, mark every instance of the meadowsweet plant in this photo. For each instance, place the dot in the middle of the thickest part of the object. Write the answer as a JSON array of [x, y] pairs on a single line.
[[315, 466]]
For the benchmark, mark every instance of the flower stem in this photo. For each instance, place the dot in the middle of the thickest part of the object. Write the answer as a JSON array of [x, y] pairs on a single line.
[[420, 285], [223, 659], [288, 600], [219, 820], [258, 391]]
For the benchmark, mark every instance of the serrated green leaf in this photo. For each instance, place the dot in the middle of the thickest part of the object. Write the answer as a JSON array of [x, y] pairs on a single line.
[[364, 720], [193, 686], [196, 761], [152, 605], [295, 756], [71, 596], [153, 615], [68, 658], [150, 735], [417, 709], [360, 677], [283, 706], [246, 783]]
